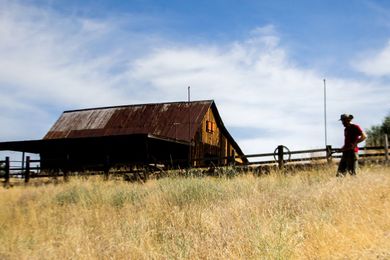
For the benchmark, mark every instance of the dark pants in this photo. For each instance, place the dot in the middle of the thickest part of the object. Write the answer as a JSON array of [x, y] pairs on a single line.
[[348, 163]]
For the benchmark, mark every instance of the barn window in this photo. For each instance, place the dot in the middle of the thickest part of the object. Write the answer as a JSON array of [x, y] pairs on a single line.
[[210, 127]]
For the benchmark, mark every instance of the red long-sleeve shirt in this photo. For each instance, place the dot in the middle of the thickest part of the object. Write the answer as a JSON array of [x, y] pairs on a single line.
[[352, 134]]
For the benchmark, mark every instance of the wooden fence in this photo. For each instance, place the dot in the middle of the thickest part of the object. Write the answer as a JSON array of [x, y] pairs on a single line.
[[280, 158]]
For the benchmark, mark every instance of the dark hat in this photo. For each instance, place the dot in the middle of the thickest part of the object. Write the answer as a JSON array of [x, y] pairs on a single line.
[[346, 117]]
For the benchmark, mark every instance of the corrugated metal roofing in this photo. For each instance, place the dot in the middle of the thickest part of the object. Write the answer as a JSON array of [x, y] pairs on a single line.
[[167, 120]]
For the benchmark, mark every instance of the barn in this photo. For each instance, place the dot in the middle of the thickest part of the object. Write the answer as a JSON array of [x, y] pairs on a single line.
[[178, 134]]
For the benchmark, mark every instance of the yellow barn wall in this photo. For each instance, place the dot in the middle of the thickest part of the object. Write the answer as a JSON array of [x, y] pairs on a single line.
[[213, 144]]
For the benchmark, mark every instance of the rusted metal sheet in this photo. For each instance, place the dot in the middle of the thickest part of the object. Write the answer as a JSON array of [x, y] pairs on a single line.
[[176, 121]]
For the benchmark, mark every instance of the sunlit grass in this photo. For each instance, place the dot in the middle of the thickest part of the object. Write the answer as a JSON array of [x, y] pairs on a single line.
[[307, 215]]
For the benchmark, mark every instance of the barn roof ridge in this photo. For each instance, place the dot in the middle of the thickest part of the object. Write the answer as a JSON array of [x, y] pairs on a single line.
[[135, 105]]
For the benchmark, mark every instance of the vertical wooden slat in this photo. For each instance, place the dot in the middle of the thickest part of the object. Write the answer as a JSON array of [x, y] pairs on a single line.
[[23, 155], [7, 170], [280, 157], [27, 171], [67, 168], [386, 149], [329, 153], [106, 167]]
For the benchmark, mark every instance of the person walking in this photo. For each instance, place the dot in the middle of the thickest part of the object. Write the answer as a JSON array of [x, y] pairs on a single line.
[[353, 135]]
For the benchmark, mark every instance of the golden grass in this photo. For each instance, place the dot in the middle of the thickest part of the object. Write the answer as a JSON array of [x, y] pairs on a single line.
[[308, 215]]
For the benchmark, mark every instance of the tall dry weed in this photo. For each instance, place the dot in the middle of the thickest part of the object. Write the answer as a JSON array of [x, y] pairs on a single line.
[[305, 215]]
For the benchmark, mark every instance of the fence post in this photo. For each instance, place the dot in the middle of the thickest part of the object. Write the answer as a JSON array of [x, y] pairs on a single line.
[[23, 153], [27, 172], [386, 149], [329, 153], [7, 170], [280, 157]]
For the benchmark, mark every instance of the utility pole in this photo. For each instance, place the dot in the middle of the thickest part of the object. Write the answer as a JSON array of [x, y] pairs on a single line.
[[326, 133], [189, 127]]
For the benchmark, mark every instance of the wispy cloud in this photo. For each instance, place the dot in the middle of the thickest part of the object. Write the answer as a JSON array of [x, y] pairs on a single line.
[[45, 55], [258, 87], [376, 63], [381, 10], [51, 62]]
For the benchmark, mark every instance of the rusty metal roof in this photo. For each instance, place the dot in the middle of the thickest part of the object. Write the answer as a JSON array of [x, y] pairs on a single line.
[[167, 120]]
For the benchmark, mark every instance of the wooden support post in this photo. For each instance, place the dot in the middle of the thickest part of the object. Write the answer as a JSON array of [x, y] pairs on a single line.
[[6, 170], [280, 157], [66, 168], [233, 158], [106, 167], [329, 153], [66, 175], [27, 170], [386, 149]]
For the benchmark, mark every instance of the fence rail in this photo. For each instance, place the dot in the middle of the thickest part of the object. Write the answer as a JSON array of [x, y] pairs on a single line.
[[280, 157]]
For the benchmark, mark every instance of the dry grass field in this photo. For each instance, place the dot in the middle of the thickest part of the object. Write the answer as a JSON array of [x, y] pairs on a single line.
[[307, 215]]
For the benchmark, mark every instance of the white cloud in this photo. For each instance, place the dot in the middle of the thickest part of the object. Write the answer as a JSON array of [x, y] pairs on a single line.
[[42, 57], [256, 86], [52, 62], [376, 63]]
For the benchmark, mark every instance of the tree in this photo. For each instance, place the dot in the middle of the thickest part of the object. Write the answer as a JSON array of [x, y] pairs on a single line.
[[376, 133], [386, 126]]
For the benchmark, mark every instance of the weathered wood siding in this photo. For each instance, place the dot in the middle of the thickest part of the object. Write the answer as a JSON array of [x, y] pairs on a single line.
[[210, 140]]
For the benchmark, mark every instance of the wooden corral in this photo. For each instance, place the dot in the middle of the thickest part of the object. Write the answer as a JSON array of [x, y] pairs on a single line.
[[282, 159], [178, 134]]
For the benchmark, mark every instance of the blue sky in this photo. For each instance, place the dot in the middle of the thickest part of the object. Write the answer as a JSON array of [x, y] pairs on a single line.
[[263, 62]]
